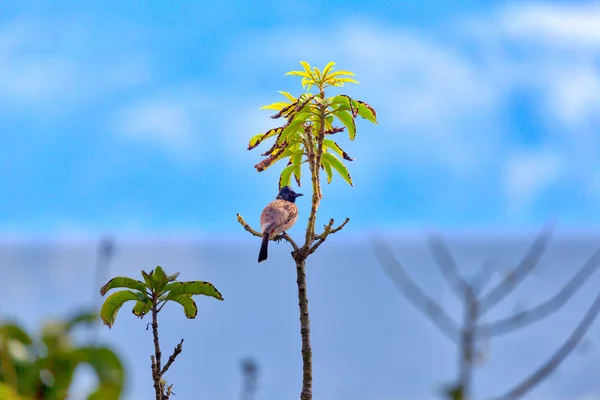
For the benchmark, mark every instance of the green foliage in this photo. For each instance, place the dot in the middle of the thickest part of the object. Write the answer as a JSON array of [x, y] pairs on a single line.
[[309, 118], [157, 289], [43, 368]]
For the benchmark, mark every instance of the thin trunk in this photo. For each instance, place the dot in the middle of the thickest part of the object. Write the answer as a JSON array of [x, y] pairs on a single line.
[[306, 393], [468, 343], [156, 368]]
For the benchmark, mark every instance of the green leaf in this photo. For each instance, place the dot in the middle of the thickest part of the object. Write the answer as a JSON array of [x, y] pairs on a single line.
[[148, 279], [306, 67], [296, 160], [257, 139], [160, 279], [114, 302], [275, 106], [328, 170], [172, 278], [345, 102], [288, 96], [327, 68], [299, 73], [286, 176], [108, 368], [80, 318], [192, 288], [342, 81], [348, 121], [8, 392], [335, 163], [294, 126], [366, 111], [142, 308], [341, 72], [189, 305], [14, 331], [123, 282], [330, 144]]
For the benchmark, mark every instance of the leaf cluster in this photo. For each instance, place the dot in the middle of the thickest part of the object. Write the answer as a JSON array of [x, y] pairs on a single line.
[[155, 290], [310, 120], [44, 367]]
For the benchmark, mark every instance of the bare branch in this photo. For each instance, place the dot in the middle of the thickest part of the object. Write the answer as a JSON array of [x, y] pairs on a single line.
[[447, 266], [482, 277], [254, 232], [533, 380], [328, 230], [413, 292], [527, 317], [178, 349], [520, 273]]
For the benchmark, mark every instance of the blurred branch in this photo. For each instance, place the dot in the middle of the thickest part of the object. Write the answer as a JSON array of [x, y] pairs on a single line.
[[277, 238], [527, 317], [249, 372], [327, 230], [467, 343], [520, 273], [482, 277], [533, 380], [447, 266], [429, 307]]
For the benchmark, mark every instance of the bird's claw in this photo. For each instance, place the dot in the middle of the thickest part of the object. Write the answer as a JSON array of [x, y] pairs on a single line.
[[279, 237]]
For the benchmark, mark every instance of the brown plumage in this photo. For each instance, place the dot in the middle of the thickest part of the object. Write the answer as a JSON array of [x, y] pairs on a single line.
[[277, 217]]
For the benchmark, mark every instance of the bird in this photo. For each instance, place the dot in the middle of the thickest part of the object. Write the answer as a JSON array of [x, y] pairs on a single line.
[[277, 217]]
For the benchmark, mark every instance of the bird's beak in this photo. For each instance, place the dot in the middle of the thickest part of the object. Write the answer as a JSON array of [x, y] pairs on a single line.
[[298, 194]]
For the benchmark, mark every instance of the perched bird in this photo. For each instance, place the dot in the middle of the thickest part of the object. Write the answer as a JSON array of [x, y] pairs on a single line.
[[277, 217]]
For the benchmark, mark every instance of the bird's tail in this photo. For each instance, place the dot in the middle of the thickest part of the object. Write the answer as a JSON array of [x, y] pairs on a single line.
[[263, 254]]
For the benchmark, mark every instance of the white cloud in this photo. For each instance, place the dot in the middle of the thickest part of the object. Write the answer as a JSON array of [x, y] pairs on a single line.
[[168, 123], [52, 73], [443, 96], [564, 24], [528, 174], [171, 119]]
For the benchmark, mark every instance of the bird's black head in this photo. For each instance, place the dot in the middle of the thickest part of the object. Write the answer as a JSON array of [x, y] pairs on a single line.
[[286, 193]]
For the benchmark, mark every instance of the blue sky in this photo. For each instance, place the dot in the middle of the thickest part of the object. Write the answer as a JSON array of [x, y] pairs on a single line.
[[133, 121]]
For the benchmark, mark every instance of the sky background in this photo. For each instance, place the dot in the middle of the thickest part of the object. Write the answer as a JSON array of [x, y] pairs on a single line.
[[133, 120]]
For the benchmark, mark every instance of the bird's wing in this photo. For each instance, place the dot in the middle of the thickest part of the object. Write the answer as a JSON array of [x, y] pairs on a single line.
[[277, 214]]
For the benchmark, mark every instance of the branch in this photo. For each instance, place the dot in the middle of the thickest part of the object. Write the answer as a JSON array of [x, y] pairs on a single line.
[[326, 232], [420, 300], [558, 357], [284, 236], [527, 317], [176, 352], [520, 272], [482, 277], [447, 265]]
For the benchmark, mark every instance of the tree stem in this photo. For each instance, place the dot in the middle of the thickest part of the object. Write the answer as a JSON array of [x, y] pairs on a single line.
[[306, 393], [156, 369]]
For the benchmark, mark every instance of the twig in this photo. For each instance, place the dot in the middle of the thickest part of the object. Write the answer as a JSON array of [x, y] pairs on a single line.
[[448, 267], [413, 292], [533, 380], [527, 317], [482, 277], [328, 230], [519, 274], [178, 349], [467, 343], [156, 375], [254, 232]]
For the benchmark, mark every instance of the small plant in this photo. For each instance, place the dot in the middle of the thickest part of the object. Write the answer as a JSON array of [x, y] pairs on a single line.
[[43, 367], [151, 296], [304, 138]]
